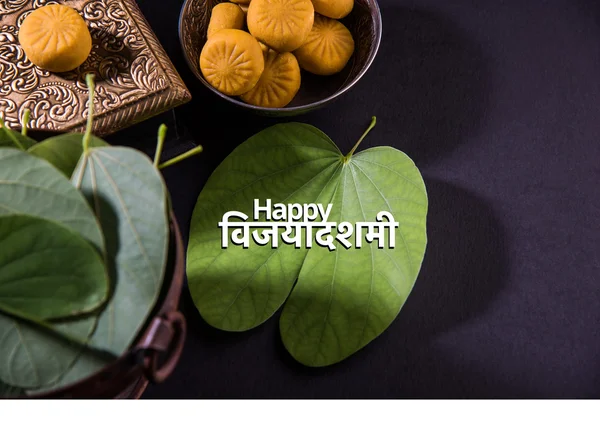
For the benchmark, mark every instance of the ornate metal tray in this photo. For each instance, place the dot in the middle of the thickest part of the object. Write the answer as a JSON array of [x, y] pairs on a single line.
[[135, 79]]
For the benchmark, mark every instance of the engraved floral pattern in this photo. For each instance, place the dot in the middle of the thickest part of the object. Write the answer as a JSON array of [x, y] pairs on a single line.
[[51, 104], [16, 72], [127, 62], [193, 29], [9, 6], [9, 110], [111, 26]]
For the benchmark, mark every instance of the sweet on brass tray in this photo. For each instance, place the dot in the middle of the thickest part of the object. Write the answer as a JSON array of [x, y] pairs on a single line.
[[135, 78]]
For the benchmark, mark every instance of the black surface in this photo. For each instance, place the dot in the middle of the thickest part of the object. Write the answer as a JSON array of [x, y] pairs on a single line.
[[498, 104]]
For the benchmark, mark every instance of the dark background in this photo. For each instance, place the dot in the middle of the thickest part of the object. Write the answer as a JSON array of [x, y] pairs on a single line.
[[498, 104]]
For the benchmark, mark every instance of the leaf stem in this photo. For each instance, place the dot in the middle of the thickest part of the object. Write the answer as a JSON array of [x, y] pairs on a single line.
[[11, 135], [25, 121], [371, 126], [181, 157], [162, 134], [89, 79]]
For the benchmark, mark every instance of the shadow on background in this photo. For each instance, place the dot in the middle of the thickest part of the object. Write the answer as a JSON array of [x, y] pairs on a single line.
[[432, 93], [590, 8], [463, 270], [433, 87], [465, 263]]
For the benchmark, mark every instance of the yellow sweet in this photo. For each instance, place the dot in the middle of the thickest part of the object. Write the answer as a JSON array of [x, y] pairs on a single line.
[[282, 25], [232, 61], [55, 38], [278, 84], [241, 2], [333, 8], [328, 47], [225, 16]]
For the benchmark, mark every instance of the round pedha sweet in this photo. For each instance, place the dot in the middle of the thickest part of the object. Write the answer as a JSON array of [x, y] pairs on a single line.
[[327, 49], [225, 16], [278, 84], [232, 61], [241, 2], [333, 8], [282, 25], [55, 38]]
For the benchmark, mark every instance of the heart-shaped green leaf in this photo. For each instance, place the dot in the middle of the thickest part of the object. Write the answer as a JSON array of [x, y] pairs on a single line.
[[129, 197], [64, 151], [31, 186], [48, 271], [342, 299]]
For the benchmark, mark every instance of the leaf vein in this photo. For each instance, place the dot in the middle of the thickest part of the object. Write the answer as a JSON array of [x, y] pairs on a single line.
[[129, 220]]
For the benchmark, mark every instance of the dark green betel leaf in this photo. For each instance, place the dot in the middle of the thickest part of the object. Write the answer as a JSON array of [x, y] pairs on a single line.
[[64, 151], [31, 186], [13, 139], [114, 208], [343, 299], [32, 356], [129, 197], [86, 364], [48, 271], [10, 392]]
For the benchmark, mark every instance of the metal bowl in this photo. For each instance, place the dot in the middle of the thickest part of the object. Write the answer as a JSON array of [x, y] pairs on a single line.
[[316, 91]]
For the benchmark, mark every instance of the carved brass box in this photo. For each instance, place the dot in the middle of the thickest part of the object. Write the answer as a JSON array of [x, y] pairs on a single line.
[[135, 79]]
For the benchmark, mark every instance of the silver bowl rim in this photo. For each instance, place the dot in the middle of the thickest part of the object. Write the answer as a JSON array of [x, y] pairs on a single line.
[[375, 14]]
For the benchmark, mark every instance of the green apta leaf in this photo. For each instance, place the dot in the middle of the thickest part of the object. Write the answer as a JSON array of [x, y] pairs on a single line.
[[342, 299], [33, 356], [48, 271], [31, 186], [13, 139], [64, 151], [129, 197]]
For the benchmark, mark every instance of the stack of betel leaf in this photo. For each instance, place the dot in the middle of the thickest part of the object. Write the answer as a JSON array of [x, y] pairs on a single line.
[[84, 233]]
